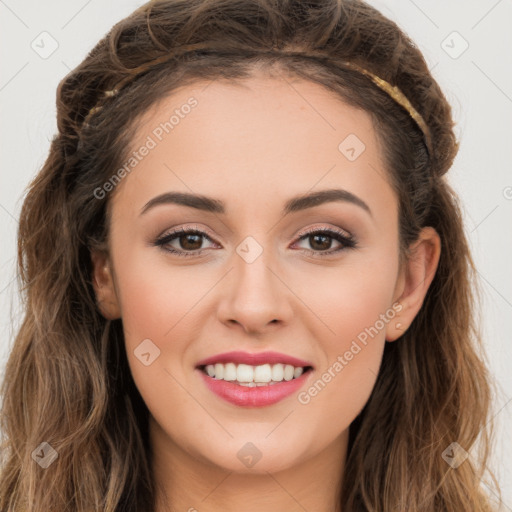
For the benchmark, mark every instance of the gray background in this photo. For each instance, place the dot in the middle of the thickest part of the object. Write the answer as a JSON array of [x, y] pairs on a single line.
[[468, 47]]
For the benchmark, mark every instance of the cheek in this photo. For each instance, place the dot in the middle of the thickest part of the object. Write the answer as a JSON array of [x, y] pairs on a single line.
[[344, 383], [158, 307], [355, 312], [351, 298], [155, 298]]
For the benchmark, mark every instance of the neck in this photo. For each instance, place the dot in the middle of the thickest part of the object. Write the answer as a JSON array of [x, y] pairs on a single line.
[[187, 484]]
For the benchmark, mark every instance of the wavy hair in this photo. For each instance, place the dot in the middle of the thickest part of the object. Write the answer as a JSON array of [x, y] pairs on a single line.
[[67, 380]]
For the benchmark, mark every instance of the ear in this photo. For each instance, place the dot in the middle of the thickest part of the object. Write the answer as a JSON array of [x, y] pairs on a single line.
[[103, 283], [414, 281]]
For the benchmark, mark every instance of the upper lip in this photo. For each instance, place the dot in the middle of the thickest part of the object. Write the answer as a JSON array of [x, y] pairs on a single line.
[[253, 359]]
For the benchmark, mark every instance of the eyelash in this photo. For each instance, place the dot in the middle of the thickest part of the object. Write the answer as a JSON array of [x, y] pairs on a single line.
[[348, 242]]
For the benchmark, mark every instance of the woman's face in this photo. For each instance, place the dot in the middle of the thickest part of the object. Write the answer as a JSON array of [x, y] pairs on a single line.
[[263, 270]]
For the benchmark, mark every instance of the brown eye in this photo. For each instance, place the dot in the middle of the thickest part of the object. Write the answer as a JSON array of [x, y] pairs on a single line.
[[183, 242], [190, 241], [320, 241]]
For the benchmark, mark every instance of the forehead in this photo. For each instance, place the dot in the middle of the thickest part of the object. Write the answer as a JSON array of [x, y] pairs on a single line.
[[260, 110], [257, 137]]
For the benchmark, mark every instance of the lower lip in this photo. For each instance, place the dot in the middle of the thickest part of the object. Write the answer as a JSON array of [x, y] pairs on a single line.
[[258, 396]]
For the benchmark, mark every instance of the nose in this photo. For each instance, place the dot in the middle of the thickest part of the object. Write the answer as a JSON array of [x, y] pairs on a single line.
[[255, 296]]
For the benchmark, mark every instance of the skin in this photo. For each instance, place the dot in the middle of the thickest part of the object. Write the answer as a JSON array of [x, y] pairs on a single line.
[[254, 145]]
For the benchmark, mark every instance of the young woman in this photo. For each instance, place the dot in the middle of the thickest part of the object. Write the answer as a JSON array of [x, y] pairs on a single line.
[[246, 277]]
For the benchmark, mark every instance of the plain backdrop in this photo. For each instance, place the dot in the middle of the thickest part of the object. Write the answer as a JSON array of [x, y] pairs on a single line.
[[467, 44]]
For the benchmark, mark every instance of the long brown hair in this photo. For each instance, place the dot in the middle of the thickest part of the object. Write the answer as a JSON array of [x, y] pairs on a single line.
[[67, 380]]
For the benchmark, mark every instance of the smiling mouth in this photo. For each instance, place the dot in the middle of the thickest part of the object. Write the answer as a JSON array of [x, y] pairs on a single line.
[[254, 376]]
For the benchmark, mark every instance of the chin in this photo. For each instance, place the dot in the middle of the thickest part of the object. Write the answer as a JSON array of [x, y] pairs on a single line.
[[252, 455]]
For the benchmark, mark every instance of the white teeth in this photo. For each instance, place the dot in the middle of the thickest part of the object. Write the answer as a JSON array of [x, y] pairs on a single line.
[[262, 373], [288, 372], [251, 376], [219, 371], [229, 371], [277, 372], [244, 373]]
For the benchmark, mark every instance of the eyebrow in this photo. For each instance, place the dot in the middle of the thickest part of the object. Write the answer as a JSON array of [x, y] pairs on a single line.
[[295, 204]]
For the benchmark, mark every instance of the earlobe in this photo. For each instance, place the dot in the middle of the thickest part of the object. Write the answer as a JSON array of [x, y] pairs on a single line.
[[104, 288], [415, 280], [396, 327]]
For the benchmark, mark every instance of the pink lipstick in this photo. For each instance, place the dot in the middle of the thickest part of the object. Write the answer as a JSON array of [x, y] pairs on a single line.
[[254, 379]]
